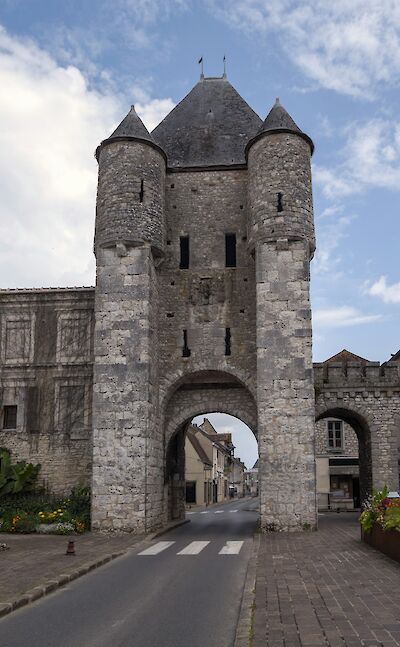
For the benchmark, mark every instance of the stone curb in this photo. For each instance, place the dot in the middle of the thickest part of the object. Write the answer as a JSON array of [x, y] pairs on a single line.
[[51, 585], [243, 636]]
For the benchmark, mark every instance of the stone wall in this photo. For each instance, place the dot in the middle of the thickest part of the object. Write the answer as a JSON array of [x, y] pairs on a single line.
[[350, 440], [367, 397], [46, 339]]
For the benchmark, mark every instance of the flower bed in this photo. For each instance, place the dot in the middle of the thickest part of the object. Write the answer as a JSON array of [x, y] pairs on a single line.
[[45, 514], [380, 523]]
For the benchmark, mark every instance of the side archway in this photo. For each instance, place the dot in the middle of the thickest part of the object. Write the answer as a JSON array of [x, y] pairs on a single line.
[[362, 427]]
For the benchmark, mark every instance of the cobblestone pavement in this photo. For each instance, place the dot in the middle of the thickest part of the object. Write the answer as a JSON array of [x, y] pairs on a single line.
[[325, 588], [35, 560]]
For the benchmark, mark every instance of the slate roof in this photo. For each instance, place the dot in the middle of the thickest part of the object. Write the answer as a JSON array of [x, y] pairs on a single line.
[[279, 120], [130, 128], [209, 127], [393, 358]]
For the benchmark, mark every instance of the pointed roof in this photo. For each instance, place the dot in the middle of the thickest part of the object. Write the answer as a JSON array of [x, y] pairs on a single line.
[[209, 127], [345, 356], [394, 358], [131, 128], [278, 120]]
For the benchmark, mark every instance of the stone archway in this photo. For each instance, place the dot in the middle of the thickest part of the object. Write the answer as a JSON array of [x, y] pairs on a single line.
[[362, 428], [198, 393]]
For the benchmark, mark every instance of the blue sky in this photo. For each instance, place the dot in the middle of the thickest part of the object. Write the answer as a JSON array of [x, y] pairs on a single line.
[[69, 72]]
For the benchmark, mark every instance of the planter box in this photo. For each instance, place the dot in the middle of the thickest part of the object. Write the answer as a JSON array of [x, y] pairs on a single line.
[[388, 542]]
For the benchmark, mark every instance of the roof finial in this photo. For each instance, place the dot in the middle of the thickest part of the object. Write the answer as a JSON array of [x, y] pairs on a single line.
[[200, 61], [224, 74], [277, 102]]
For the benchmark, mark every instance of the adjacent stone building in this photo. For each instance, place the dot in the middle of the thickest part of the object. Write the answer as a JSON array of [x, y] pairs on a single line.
[[204, 237]]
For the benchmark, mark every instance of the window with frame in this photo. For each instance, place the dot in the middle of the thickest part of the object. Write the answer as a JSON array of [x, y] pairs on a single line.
[[10, 416], [335, 434]]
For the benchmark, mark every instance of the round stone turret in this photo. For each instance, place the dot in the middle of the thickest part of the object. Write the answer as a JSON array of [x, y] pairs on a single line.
[[131, 187], [279, 184]]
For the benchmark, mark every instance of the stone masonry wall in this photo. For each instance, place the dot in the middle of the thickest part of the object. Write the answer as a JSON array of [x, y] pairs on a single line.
[[350, 441], [46, 345], [368, 398], [130, 197], [207, 298]]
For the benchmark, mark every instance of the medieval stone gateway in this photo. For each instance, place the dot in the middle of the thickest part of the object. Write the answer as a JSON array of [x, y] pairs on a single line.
[[204, 237]]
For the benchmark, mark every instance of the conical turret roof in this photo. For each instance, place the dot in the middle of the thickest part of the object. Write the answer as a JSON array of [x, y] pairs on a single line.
[[209, 127], [279, 120], [131, 128]]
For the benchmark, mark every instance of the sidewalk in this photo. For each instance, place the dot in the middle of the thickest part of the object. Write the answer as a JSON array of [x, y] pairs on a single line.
[[325, 589]]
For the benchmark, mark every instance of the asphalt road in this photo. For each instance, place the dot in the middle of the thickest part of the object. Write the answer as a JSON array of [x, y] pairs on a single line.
[[182, 589]]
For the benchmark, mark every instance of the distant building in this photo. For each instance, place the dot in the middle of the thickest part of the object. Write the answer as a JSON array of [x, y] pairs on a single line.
[[251, 480], [212, 472]]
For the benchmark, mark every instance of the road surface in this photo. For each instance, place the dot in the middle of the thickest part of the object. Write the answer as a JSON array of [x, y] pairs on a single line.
[[183, 589]]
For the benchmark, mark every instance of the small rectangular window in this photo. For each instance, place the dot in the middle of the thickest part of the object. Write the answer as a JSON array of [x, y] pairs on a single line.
[[335, 434], [227, 341], [184, 249], [230, 250], [185, 349], [10, 417]]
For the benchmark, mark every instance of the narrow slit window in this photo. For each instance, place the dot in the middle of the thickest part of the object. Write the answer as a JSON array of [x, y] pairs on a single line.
[[185, 349], [280, 205], [184, 246], [230, 250], [228, 341], [141, 192], [10, 417]]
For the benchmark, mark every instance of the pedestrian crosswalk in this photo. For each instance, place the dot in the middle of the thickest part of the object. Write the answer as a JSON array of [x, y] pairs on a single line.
[[210, 511], [193, 548]]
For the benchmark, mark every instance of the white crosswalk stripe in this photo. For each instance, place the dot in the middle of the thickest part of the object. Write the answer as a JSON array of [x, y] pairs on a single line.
[[194, 548], [205, 512], [218, 511], [231, 548], [157, 548], [233, 510], [191, 513]]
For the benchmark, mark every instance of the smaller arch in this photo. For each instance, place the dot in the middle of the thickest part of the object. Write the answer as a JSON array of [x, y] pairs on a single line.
[[361, 426]]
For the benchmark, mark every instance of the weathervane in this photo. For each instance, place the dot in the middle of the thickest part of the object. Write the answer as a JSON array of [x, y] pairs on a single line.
[[224, 74], [202, 68]]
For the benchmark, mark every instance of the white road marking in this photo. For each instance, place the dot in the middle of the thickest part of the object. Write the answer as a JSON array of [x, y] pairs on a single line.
[[231, 548], [194, 548], [218, 511], [233, 510], [205, 512], [190, 513], [157, 548]]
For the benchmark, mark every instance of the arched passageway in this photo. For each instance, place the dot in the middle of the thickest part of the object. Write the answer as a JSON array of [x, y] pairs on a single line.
[[359, 424], [201, 394]]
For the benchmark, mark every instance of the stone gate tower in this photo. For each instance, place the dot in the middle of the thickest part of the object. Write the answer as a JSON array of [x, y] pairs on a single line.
[[204, 236]]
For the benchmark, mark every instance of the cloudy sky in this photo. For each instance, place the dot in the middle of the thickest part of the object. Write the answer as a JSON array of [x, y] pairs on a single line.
[[70, 70]]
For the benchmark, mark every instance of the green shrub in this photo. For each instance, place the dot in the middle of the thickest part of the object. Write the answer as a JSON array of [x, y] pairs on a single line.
[[79, 504], [16, 477]]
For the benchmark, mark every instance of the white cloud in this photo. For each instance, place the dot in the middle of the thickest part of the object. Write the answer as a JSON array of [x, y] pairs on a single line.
[[341, 317], [371, 159], [381, 289], [349, 47], [332, 227], [51, 123]]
